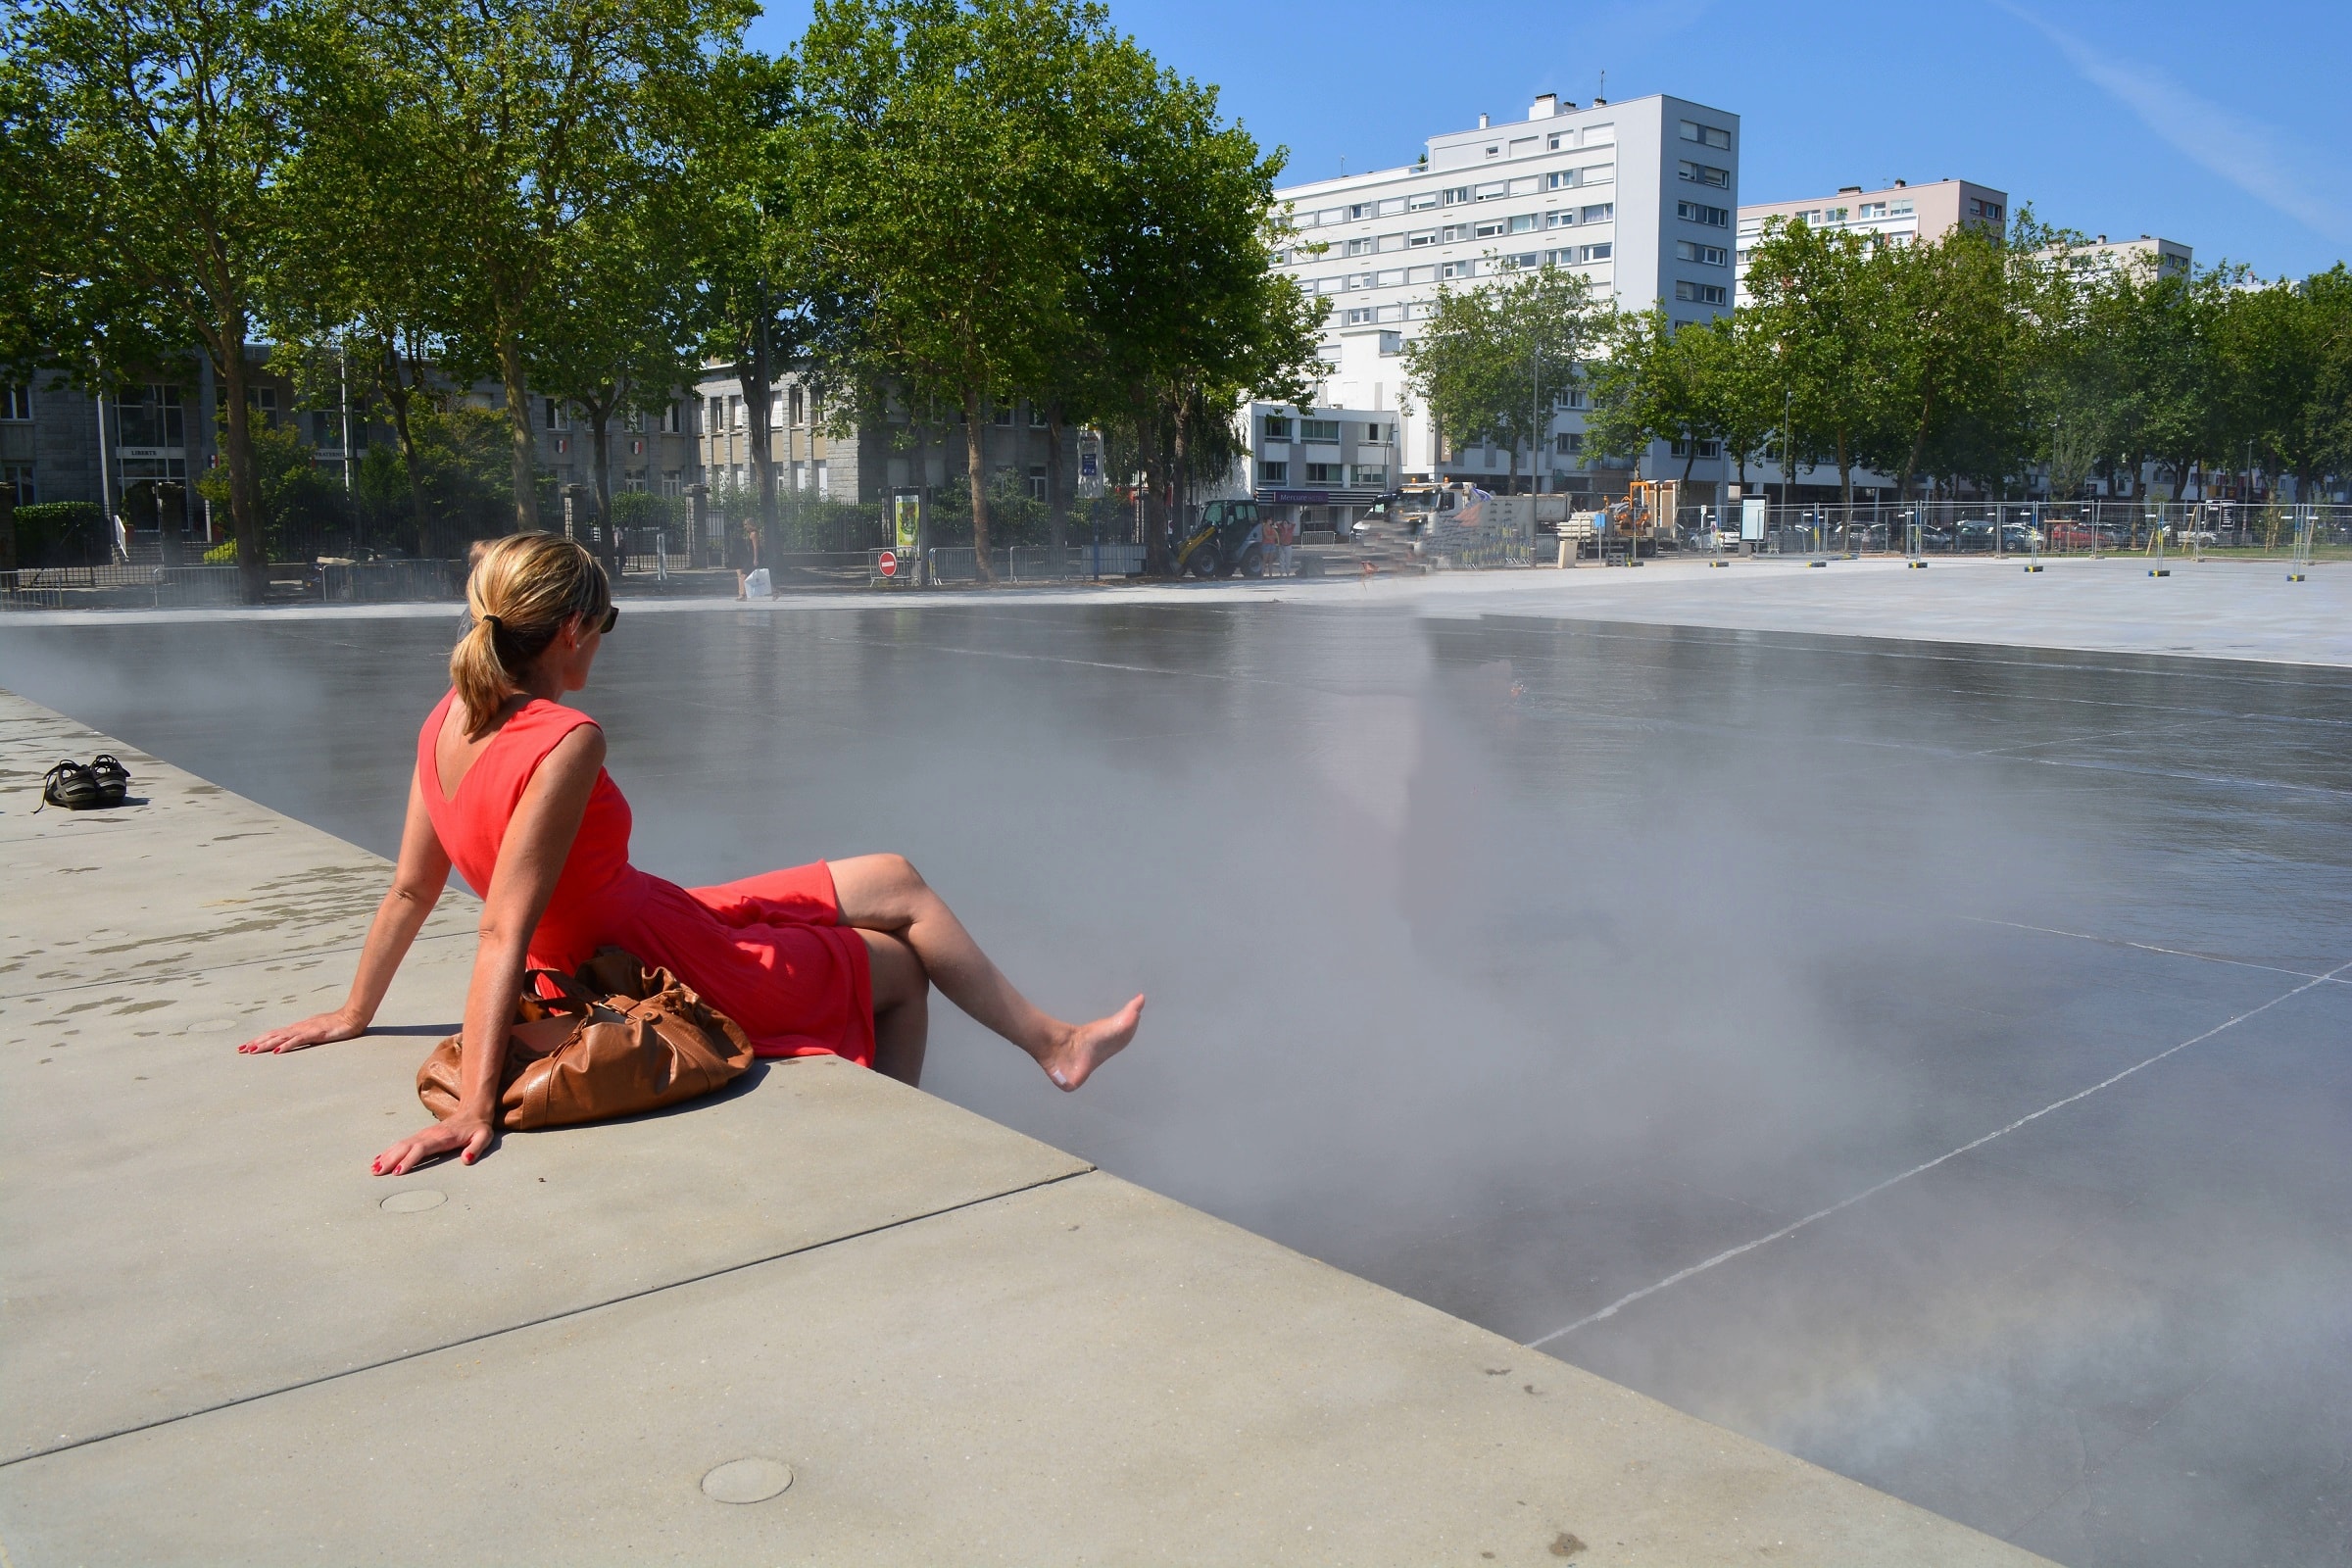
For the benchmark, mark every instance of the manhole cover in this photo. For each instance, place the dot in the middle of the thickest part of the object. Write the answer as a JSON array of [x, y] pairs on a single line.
[[747, 1481], [415, 1200]]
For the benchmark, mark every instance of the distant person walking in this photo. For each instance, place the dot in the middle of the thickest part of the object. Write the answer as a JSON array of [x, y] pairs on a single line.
[[510, 787]]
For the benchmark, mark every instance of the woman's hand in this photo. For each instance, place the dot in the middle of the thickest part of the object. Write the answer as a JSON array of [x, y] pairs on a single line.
[[321, 1029], [467, 1137]]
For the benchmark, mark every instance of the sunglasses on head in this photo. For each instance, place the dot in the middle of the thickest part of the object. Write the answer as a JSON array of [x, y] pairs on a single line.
[[612, 618]]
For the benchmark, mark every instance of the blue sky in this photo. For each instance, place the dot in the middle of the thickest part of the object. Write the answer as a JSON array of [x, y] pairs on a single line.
[[2219, 125]]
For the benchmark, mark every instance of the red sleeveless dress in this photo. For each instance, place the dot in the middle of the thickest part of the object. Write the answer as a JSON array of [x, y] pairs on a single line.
[[769, 952]]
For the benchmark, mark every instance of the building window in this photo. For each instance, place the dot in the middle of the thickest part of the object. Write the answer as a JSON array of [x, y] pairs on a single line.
[[1487, 229], [716, 418], [1372, 473], [673, 480], [1037, 481], [1568, 443], [1278, 428], [555, 415], [1699, 293], [1318, 429], [673, 420], [1421, 203], [1359, 315], [1494, 192], [1454, 195], [1377, 435], [1457, 269], [1527, 222], [1596, 174], [1705, 255], [1600, 213], [1706, 135], [1037, 417], [1695, 213], [1870, 209], [1525, 259], [1359, 212], [1705, 449], [734, 413], [154, 419], [1326, 473], [16, 403], [1703, 174], [20, 475], [1560, 180], [1361, 247], [1274, 473], [1594, 252], [322, 428], [1565, 218], [1427, 236]]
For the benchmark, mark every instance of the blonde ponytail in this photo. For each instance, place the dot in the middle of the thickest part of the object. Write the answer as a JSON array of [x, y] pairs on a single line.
[[522, 591]]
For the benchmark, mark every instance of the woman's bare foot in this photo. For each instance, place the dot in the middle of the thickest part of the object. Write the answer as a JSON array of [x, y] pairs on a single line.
[[1072, 1059]]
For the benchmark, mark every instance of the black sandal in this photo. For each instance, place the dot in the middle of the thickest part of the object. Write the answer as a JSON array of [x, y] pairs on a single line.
[[114, 779], [72, 786]]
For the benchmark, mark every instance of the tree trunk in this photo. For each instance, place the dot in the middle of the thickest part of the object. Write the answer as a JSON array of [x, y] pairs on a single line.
[[975, 438], [397, 394], [1057, 504], [1180, 480], [756, 376], [603, 416], [1845, 474], [1919, 441], [244, 503], [1154, 520], [921, 475], [524, 465]]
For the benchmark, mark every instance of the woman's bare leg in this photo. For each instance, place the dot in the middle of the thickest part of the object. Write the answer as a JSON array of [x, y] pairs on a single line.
[[883, 893], [902, 1006]]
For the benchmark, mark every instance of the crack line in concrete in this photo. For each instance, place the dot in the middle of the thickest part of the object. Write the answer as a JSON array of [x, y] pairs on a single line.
[[1843, 1203], [540, 1322]]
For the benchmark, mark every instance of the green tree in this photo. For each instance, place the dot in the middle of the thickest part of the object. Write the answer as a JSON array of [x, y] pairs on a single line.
[[1823, 298], [172, 126], [528, 117], [1495, 361], [373, 295], [614, 339], [1940, 345], [1181, 316], [940, 166]]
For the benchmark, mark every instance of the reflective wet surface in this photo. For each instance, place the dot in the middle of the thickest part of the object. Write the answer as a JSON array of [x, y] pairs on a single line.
[[1924, 1060]]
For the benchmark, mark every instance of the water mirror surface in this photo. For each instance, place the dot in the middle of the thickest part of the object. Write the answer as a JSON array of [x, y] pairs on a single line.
[[1576, 977]]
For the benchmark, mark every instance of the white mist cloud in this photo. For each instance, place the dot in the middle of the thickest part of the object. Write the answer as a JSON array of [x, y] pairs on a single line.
[[2246, 154]]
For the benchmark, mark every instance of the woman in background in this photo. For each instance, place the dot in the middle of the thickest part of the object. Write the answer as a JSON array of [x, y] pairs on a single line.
[[510, 787]]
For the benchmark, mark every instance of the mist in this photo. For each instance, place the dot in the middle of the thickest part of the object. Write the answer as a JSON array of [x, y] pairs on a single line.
[[1520, 965]]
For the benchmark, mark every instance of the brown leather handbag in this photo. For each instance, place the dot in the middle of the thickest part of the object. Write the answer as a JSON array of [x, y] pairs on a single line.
[[619, 1038]]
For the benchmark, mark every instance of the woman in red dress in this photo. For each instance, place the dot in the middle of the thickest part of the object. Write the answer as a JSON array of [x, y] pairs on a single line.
[[510, 787]]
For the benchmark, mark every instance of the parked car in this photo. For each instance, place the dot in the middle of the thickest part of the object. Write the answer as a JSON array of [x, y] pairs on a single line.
[[2020, 537], [1935, 536], [2077, 536], [1976, 533]]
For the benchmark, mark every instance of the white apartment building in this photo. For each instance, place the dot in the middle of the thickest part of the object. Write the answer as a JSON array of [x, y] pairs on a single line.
[[1637, 196], [1898, 215], [2161, 258]]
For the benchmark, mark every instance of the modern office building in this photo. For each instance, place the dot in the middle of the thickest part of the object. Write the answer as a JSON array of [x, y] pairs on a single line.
[[1637, 197], [1897, 215]]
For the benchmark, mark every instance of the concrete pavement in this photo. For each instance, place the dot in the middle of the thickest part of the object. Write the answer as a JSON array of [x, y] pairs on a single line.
[[226, 1341]]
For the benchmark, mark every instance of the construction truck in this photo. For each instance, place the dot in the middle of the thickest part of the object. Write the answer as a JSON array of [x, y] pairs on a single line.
[[1642, 522]]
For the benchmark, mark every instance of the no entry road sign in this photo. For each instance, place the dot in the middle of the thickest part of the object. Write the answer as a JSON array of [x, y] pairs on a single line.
[[888, 564]]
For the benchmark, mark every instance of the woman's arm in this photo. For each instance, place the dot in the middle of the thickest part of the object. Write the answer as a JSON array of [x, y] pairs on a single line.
[[416, 884], [538, 840]]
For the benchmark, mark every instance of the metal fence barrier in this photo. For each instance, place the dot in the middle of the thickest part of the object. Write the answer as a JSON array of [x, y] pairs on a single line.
[[2223, 530]]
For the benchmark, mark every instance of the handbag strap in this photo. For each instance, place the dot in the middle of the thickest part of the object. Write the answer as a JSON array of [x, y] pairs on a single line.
[[574, 996]]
